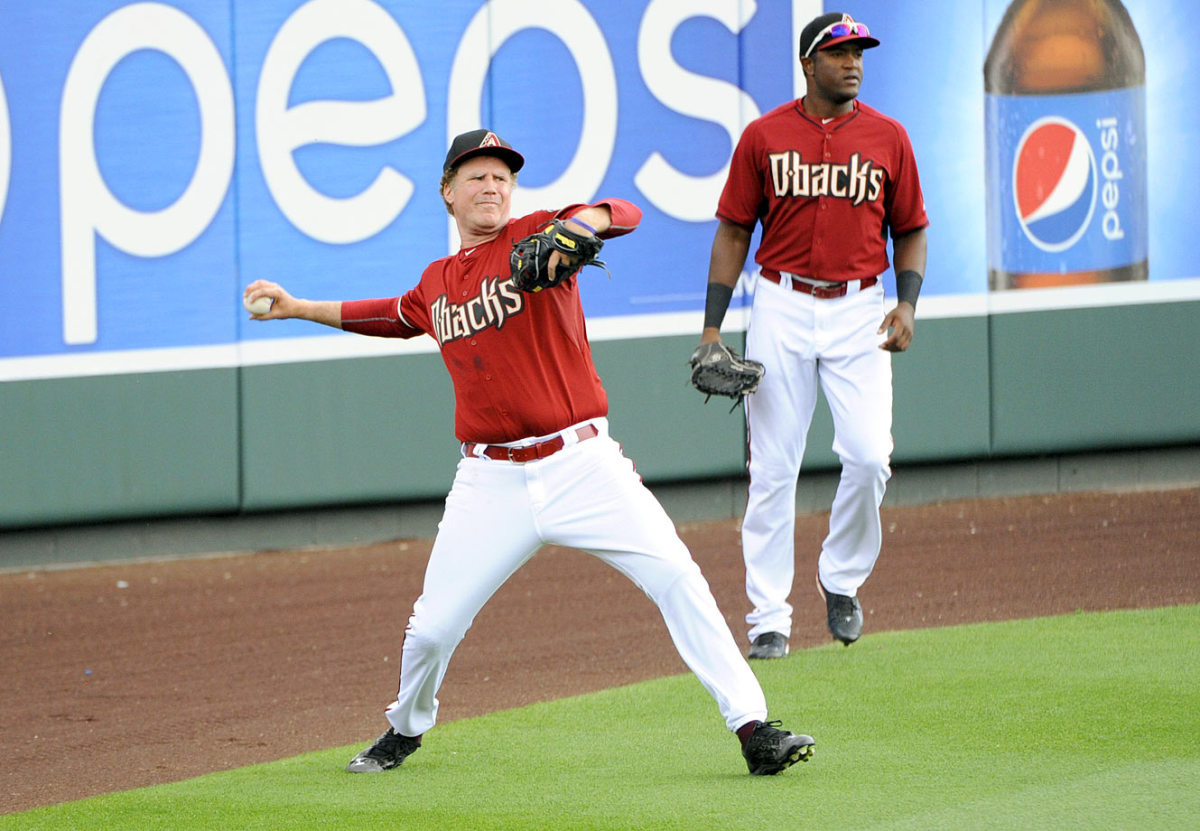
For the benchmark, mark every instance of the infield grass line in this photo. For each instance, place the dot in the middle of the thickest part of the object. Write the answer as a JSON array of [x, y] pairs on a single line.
[[1085, 721]]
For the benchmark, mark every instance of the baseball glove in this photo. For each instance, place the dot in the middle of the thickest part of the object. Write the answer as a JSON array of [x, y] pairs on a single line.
[[530, 258], [717, 370]]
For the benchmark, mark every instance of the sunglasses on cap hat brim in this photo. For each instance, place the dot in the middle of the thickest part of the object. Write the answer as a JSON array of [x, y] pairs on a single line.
[[838, 32]]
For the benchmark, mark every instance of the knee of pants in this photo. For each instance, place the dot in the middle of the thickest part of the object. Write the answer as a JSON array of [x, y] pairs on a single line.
[[867, 470], [691, 581], [772, 471], [424, 637], [669, 576]]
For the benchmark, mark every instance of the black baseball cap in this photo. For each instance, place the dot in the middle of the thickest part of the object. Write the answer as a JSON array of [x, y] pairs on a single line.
[[482, 143], [831, 29]]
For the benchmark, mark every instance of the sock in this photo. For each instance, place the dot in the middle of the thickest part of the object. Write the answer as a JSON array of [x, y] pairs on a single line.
[[746, 730]]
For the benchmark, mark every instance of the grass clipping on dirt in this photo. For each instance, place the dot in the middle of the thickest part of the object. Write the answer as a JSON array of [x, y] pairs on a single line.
[[1082, 721]]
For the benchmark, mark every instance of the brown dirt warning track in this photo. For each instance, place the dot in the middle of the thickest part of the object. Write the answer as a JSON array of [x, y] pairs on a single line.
[[125, 675]]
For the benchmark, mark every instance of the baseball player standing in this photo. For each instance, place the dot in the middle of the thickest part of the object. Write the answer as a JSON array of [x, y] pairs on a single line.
[[537, 464], [830, 179]]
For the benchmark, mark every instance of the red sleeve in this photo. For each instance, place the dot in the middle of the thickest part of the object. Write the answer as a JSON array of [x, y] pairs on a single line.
[[379, 318], [625, 215], [907, 210], [741, 199]]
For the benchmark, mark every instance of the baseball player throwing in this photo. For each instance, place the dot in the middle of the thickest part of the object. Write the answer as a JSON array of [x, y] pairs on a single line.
[[830, 179], [537, 464]]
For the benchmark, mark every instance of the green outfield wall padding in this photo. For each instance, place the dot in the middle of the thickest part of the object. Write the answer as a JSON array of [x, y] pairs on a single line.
[[347, 431], [1112, 376], [379, 430], [110, 447], [662, 423], [940, 392]]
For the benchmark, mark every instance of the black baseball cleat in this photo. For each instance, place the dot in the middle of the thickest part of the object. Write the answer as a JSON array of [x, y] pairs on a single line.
[[769, 645], [843, 615], [388, 751], [770, 750]]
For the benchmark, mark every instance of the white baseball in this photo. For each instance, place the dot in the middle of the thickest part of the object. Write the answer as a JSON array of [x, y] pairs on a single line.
[[258, 307]]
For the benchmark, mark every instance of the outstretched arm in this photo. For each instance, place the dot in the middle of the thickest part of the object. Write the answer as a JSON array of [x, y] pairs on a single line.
[[610, 217], [594, 218], [606, 219], [284, 306]]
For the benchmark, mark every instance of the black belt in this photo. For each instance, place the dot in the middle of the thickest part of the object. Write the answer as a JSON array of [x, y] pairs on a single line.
[[528, 452], [819, 291]]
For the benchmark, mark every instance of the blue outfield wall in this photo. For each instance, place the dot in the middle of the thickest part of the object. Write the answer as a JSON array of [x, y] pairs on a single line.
[[157, 156]]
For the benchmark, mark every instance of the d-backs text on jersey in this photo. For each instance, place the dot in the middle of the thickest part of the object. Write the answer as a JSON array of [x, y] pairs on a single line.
[[498, 299], [857, 181]]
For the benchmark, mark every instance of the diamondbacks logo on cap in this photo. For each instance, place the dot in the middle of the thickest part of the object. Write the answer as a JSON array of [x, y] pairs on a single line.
[[1054, 183], [491, 140]]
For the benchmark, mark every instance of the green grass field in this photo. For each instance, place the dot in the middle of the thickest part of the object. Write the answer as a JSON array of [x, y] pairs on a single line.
[[1088, 721]]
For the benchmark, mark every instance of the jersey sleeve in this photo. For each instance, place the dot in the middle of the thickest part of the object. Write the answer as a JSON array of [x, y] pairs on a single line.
[[626, 216], [381, 317], [907, 209], [741, 199]]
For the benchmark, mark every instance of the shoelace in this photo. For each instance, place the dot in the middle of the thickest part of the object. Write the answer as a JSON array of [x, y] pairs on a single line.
[[771, 732], [392, 742], [843, 606]]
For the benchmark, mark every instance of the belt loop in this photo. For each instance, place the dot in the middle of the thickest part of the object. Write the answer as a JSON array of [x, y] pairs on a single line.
[[578, 434]]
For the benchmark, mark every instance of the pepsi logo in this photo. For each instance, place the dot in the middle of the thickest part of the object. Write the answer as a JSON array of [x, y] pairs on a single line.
[[1054, 183]]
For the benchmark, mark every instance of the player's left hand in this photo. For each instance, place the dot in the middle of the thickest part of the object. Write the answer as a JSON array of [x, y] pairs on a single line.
[[900, 321], [548, 258]]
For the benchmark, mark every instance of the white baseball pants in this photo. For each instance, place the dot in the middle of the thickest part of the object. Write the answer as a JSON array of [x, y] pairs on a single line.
[[804, 342], [586, 496]]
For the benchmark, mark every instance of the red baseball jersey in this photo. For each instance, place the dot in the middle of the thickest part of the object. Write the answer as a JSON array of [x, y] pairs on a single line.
[[520, 363], [827, 193]]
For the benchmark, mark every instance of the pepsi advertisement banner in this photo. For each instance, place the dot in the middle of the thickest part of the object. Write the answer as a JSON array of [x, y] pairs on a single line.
[[155, 157]]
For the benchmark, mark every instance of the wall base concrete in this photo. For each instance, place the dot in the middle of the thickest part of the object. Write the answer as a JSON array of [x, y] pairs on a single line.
[[73, 546]]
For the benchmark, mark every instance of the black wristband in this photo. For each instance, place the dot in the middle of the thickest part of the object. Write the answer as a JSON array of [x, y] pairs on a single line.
[[716, 303], [908, 286]]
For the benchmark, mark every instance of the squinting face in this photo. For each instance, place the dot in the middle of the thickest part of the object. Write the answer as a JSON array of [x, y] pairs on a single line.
[[480, 194], [837, 72]]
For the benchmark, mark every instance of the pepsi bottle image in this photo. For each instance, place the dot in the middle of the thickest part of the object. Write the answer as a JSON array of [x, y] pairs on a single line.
[[1065, 98]]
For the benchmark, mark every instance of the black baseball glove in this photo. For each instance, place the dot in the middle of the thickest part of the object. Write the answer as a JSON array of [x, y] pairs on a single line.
[[530, 258], [717, 370]]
